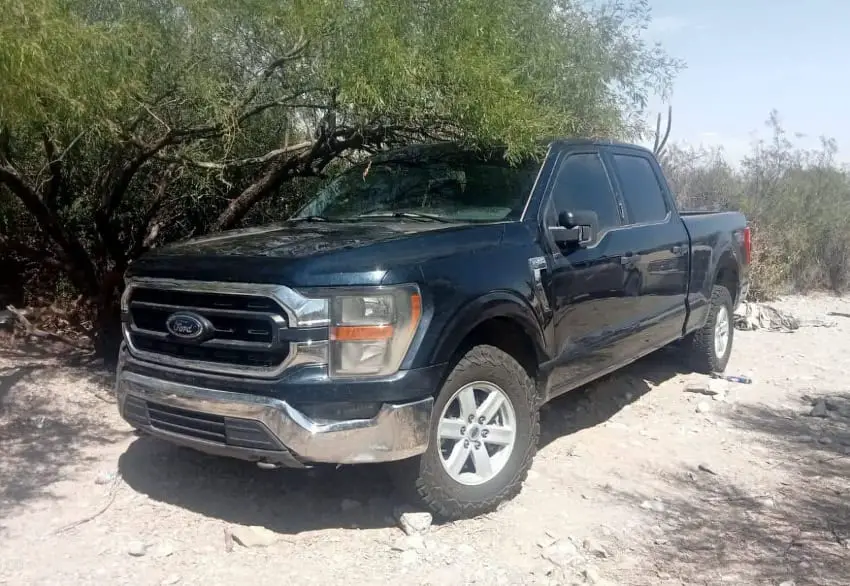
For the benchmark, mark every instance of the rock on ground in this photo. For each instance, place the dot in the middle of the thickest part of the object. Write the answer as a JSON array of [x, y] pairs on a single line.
[[253, 536], [137, 549], [413, 522]]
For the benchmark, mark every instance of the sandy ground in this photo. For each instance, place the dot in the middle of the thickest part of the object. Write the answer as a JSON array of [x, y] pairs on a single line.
[[637, 482]]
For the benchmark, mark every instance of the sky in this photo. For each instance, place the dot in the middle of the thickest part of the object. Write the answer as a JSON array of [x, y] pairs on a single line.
[[746, 57]]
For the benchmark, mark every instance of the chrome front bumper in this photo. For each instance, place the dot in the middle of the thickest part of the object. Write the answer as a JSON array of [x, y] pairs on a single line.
[[265, 429]]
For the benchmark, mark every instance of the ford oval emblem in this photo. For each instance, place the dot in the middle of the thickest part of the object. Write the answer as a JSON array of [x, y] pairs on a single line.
[[186, 326]]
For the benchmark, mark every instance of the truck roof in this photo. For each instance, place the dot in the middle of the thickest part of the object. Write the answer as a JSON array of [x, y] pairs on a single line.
[[430, 150], [596, 142]]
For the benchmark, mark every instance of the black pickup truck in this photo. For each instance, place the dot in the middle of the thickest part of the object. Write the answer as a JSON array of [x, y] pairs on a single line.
[[422, 308]]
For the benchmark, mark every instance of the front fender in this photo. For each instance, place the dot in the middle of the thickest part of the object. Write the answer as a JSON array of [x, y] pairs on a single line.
[[496, 304]]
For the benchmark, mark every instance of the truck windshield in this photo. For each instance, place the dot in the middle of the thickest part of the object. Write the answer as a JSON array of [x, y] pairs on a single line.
[[431, 182]]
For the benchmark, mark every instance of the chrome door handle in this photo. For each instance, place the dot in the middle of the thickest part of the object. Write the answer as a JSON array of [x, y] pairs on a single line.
[[629, 258]]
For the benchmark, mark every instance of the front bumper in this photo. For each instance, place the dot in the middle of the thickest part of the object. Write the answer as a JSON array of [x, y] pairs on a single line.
[[266, 429]]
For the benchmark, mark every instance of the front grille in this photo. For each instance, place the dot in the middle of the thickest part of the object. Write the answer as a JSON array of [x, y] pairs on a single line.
[[226, 328], [224, 356], [226, 431], [209, 300], [243, 334]]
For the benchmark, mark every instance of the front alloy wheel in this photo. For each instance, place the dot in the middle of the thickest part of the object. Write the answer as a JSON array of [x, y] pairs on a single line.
[[477, 432], [485, 429]]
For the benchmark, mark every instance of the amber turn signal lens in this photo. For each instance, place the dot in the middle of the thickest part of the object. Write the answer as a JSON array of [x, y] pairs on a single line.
[[361, 333], [415, 310]]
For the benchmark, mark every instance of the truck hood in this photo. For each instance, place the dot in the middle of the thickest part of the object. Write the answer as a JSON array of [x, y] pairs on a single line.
[[295, 239], [313, 254]]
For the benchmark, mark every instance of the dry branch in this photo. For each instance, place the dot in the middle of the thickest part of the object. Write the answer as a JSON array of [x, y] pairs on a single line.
[[220, 166], [31, 330], [113, 492]]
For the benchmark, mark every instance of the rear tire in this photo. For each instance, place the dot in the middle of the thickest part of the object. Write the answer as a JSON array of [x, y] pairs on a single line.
[[708, 349], [484, 433]]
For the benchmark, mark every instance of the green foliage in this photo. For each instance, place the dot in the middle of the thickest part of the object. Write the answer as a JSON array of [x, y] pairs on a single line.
[[797, 200], [507, 71], [125, 124]]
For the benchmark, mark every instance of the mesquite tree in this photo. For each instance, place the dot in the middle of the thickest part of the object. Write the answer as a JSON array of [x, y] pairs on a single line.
[[128, 123]]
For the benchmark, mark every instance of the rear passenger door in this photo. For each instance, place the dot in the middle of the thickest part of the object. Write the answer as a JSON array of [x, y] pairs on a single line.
[[658, 284]]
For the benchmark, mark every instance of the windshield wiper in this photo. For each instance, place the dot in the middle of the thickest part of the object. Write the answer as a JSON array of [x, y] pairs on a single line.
[[310, 219], [408, 215]]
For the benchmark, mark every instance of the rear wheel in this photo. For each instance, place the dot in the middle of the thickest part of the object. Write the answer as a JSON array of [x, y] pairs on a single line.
[[709, 348], [484, 433]]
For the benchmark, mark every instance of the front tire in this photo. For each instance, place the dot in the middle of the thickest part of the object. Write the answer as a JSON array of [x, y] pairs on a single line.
[[484, 433], [709, 348]]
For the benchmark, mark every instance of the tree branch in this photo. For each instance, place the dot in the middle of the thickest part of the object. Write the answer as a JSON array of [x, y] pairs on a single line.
[[111, 198], [308, 163], [294, 53], [262, 159], [254, 193], [83, 274], [143, 238], [5, 145], [38, 255], [285, 101], [54, 164], [113, 186], [34, 331]]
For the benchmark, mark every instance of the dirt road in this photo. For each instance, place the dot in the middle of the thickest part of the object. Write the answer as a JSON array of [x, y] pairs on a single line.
[[637, 482]]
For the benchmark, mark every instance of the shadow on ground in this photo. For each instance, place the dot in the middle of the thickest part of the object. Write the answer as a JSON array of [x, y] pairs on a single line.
[[43, 434], [60, 353], [795, 530], [286, 501], [294, 501], [600, 401]]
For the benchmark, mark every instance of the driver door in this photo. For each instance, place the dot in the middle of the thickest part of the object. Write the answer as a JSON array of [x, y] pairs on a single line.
[[592, 302]]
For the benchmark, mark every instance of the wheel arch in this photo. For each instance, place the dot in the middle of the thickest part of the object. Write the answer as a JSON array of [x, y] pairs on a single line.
[[727, 275], [500, 319]]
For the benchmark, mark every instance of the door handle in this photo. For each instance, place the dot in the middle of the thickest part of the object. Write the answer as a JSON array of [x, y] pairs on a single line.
[[629, 258]]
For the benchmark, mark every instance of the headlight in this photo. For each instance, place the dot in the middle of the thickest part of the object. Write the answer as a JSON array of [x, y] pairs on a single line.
[[371, 331]]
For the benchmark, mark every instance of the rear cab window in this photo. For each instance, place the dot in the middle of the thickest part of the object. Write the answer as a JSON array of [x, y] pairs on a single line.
[[640, 188]]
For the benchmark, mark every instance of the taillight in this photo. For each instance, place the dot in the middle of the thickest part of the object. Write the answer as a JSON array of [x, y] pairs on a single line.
[[748, 244]]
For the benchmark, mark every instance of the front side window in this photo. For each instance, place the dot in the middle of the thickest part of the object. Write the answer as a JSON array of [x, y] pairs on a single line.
[[438, 180], [582, 185]]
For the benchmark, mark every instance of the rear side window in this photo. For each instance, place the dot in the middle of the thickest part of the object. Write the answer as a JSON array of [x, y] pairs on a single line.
[[582, 185], [641, 191]]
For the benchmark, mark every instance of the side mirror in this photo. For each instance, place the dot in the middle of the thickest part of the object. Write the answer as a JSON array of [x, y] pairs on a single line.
[[576, 228]]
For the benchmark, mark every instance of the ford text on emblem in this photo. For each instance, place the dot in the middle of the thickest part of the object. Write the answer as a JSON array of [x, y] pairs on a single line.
[[187, 326]]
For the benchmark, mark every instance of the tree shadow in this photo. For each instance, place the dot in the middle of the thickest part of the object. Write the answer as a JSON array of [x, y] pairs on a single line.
[[60, 353], [10, 376], [42, 435], [714, 529], [295, 501]]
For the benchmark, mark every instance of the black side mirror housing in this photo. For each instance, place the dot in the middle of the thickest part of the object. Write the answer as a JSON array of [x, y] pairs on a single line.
[[576, 228]]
